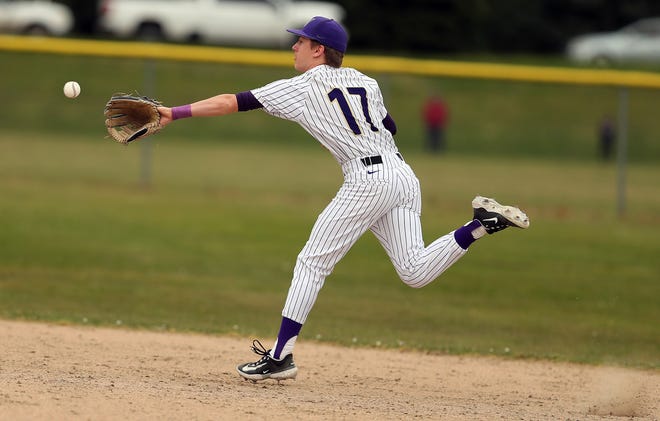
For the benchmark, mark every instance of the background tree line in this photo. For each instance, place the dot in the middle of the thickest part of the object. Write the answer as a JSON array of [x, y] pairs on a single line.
[[450, 26]]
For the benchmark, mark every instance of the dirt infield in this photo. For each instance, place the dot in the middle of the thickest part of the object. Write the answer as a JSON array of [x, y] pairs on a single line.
[[52, 372]]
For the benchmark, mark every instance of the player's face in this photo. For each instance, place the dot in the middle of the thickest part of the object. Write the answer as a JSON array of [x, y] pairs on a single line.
[[306, 54]]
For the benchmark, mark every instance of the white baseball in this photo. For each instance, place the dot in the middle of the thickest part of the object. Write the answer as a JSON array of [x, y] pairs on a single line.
[[71, 89]]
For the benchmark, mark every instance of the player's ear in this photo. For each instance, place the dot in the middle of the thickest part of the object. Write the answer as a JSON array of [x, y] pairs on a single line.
[[319, 50]]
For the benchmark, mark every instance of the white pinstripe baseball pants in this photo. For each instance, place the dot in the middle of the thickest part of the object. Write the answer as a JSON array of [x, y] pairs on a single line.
[[386, 199]]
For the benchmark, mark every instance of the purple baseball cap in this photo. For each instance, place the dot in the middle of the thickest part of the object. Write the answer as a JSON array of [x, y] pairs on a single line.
[[326, 31]]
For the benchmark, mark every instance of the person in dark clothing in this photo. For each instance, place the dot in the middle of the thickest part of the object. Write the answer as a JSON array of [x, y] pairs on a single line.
[[606, 137]]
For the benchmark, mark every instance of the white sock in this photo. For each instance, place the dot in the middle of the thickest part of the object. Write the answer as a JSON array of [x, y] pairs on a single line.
[[477, 233], [286, 350]]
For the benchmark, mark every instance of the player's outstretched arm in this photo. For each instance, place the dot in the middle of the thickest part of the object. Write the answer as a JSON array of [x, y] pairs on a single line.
[[222, 104], [218, 105]]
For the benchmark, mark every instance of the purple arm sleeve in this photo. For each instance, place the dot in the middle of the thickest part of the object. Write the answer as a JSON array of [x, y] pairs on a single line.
[[389, 124], [247, 101], [183, 111]]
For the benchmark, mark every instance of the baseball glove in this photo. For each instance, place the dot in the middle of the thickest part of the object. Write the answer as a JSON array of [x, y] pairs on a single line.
[[131, 117]]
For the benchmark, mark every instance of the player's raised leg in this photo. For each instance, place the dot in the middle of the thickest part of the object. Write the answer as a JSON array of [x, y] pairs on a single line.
[[418, 265]]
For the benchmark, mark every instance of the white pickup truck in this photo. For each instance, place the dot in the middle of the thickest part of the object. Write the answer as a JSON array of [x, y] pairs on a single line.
[[259, 23]]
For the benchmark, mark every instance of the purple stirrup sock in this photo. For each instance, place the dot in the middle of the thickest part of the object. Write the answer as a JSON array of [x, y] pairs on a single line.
[[183, 111], [288, 329], [463, 235]]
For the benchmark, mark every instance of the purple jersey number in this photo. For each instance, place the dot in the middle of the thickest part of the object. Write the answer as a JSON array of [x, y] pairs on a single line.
[[338, 95]]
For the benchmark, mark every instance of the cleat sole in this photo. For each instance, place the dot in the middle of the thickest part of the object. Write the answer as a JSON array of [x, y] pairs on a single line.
[[515, 216]]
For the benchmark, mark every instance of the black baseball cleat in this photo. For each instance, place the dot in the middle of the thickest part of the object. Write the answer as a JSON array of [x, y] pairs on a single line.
[[495, 217], [267, 367]]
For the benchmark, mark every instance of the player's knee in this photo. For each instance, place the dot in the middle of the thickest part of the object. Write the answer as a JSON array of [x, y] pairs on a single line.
[[413, 280]]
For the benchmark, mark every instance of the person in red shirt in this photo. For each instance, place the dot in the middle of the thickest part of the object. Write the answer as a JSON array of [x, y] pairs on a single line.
[[436, 115]]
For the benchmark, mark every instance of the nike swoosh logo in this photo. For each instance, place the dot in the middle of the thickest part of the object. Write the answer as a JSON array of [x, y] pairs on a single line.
[[372, 172], [257, 367], [493, 219]]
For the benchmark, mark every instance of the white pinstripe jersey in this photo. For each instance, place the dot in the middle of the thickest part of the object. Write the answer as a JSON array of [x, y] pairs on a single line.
[[343, 109], [340, 107]]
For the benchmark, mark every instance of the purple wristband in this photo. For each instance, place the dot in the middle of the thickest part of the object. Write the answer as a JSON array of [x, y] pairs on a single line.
[[184, 111]]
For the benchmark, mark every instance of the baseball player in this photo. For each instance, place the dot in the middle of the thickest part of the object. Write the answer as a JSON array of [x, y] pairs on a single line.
[[343, 109]]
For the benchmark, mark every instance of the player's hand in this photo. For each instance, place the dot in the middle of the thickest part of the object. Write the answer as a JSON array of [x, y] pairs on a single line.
[[165, 115]]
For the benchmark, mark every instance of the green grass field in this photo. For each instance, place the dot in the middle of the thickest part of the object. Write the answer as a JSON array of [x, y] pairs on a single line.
[[210, 243]]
